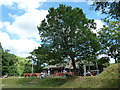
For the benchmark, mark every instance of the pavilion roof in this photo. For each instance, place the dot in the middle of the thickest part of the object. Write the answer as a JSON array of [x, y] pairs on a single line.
[[67, 65]]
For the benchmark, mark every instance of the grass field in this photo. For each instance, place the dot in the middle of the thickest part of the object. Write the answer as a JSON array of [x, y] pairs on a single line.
[[109, 78]]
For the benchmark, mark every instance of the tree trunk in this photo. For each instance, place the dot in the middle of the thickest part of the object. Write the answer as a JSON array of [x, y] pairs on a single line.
[[74, 66], [115, 60]]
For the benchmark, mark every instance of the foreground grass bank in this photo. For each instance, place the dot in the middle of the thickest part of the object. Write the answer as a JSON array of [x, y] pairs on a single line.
[[109, 78]]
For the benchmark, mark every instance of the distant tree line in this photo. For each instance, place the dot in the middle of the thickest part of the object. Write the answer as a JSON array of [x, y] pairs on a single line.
[[13, 65]]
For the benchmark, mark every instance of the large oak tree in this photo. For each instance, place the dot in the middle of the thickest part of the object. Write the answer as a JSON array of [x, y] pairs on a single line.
[[66, 32]]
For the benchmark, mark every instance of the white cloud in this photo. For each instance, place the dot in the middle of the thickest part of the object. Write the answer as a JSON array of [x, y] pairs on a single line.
[[13, 16], [112, 60], [23, 4], [1, 25], [99, 24], [90, 2], [104, 55], [20, 47], [25, 26]]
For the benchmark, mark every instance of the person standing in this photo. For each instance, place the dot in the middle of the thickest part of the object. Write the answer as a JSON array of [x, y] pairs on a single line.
[[64, 73], [48, 72]]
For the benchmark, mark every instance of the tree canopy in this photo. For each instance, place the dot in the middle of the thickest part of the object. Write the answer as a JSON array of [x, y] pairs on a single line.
[[38, 58], [109, 37], [112, 9], [66, 32], [109, 34], [1, 49]]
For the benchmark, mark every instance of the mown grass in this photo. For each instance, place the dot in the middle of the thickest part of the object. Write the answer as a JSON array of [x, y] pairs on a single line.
[[34, 82], [109, 78], [16, 82], [52, 82]]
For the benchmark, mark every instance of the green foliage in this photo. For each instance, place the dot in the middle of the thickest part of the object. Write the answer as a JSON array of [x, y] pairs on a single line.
[[27, 66], [7, 61], [103, 62], [109, 37], [39, 57], [1, 49], [13, 65], [66, 32], [23, 65], [110, 8]]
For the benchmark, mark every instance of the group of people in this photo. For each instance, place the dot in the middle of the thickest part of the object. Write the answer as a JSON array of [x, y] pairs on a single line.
[[48, 74], [42, 75], [64, 74]]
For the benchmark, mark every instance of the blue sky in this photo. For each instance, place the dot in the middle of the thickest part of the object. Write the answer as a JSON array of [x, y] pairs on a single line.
[[91, 14], [20, 18]]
